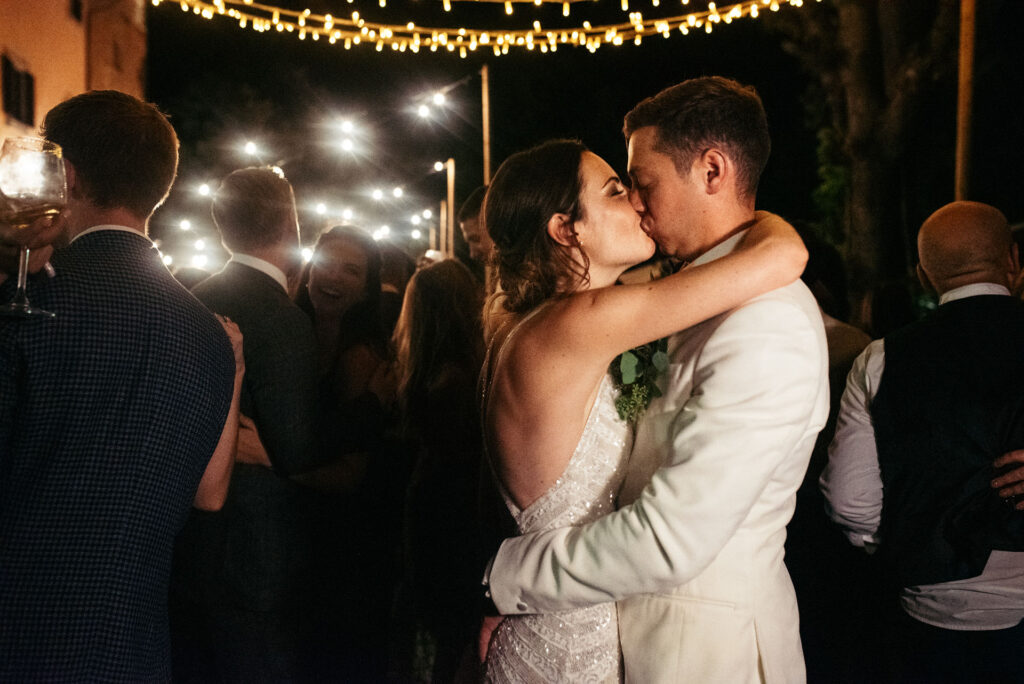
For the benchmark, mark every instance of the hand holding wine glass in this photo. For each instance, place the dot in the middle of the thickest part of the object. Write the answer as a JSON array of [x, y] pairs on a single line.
[[32, 187]]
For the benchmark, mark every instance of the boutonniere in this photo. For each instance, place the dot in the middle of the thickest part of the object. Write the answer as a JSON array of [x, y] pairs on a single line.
[[635, 373]]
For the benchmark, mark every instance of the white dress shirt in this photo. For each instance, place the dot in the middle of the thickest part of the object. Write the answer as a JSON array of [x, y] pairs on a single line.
[[262, 266], [852, 484]]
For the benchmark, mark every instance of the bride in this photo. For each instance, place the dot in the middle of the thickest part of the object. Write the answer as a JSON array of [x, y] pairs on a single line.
[[565, 230]]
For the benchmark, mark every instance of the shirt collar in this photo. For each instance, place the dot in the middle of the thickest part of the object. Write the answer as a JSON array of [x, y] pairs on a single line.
[[973, 290], [721, 249], [263, 267], [96, 229]]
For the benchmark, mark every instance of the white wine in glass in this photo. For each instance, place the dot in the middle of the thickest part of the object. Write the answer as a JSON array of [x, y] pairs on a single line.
[[32, 186]]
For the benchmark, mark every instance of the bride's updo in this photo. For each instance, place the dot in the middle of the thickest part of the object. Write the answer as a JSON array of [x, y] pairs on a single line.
[[527, 190]]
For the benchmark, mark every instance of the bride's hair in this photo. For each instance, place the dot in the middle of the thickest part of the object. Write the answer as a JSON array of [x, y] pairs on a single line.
[[528, 189]]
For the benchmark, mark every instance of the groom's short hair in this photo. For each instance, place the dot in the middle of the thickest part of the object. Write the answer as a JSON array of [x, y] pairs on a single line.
[[710, 111]]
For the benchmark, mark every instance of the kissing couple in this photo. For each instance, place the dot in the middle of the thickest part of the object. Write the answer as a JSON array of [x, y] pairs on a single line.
[[661, 540]]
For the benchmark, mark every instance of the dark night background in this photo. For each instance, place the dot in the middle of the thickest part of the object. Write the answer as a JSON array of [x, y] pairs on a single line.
[[223, 85]]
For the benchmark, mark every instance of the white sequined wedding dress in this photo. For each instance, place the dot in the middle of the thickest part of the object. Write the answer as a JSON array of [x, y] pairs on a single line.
[[579, 645]]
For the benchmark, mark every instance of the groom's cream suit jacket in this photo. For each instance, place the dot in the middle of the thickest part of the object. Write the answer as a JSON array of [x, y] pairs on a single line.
[[696, 557]]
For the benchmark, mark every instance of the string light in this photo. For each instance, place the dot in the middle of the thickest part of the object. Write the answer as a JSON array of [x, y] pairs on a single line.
[[412, 37]]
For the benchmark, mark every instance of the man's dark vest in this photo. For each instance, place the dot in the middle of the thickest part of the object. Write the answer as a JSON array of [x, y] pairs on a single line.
[[951, 400]]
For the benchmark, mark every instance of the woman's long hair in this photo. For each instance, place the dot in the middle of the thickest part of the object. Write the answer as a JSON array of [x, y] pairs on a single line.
[[528, 189], [438, 332]]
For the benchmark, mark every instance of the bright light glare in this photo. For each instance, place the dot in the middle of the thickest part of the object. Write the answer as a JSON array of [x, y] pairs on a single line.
[[416, 234], [385, 230], [439, 166], [199, 260], [185, 224], [200, 245], [423, 111], [347, 214], [378, 194], [427, 214], [204, 190], [278, 171], [307, 254], [28, 170], [415, 220], [438, 99], [168, 260], [347, 126], [321, 208], [250, 147], [397, 192], [348, 145]]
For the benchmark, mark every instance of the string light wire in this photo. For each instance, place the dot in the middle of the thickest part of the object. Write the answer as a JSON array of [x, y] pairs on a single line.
[[354, 30]]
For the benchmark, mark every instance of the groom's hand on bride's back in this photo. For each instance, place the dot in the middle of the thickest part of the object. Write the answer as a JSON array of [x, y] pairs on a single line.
[[487, 628]]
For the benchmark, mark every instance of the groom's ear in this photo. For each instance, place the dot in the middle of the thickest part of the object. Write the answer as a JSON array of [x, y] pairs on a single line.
[[561, 230], [715, 168]]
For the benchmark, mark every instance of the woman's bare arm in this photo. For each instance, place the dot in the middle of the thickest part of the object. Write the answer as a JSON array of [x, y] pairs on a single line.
[[213, 487], [604, 322], [250, 446]]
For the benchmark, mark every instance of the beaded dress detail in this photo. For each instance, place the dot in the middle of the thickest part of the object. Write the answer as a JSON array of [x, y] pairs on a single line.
[[579, 645]]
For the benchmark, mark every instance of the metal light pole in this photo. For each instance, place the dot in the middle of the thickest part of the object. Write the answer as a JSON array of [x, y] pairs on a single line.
[[449, 240], [485, 102], [964, 97]]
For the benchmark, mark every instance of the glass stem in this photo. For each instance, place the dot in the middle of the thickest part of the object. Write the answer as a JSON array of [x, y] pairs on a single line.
[[19, 295]]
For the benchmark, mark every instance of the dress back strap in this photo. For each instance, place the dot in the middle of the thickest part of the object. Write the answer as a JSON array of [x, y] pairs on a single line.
[[495, 352]]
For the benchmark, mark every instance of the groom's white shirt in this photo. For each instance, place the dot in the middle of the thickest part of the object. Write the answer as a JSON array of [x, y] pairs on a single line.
[[696, 558]]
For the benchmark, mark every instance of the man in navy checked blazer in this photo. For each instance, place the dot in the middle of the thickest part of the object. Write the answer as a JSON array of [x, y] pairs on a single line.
[[109, 414]]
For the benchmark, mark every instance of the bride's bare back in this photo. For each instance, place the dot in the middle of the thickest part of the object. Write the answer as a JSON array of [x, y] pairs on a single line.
[[537, 405]]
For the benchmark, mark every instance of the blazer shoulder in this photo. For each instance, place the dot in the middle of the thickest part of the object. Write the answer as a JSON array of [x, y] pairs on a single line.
[[783, 327], [792, 305], [237, 291], [791, 308]]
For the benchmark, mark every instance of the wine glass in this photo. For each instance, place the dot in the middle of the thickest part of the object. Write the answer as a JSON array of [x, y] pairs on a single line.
[[32, 185]]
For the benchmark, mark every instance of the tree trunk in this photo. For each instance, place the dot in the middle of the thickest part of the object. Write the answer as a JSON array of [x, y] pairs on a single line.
[[875, 60]]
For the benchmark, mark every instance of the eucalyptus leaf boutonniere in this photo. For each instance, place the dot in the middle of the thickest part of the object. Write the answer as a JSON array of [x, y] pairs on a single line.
[[635, 373]]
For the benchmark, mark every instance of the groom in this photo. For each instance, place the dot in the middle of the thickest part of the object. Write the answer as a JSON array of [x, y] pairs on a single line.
[[696, 558]]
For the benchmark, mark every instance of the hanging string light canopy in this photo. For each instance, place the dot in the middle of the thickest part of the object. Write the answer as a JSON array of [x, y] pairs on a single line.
[[354, 30]]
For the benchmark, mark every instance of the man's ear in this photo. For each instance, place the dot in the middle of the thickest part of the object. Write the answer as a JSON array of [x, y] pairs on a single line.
[[560, 230], [715, 169], [71, 176]]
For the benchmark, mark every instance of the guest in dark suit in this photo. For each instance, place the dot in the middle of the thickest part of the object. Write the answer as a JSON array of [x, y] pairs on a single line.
[[109, 414], [239, 571], [926, 412]]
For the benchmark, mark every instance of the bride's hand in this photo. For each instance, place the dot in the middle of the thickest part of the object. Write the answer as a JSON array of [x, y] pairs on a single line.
[[487, 628], [779, 242]]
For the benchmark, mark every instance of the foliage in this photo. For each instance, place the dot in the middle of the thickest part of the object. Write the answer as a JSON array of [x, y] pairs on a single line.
[[635, 373], [833, 191]]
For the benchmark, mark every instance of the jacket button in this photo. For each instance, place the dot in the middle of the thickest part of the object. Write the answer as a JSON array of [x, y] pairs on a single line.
[[521, 606]]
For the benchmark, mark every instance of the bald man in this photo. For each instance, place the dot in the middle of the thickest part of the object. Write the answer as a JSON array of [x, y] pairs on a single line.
[[926, 412]]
